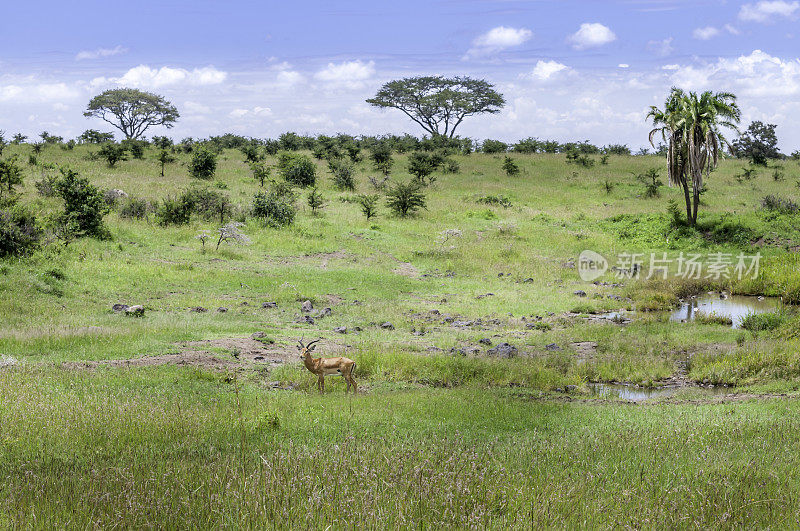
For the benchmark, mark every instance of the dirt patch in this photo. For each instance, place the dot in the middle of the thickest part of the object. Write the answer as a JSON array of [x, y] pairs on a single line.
[[586, 350], [406, 269], [189, 358]]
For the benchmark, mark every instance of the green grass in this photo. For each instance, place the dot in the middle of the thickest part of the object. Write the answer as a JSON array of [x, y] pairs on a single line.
[[438, 439]]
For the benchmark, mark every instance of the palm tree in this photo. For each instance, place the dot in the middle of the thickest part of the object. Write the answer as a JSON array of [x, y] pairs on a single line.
[[692, 127]]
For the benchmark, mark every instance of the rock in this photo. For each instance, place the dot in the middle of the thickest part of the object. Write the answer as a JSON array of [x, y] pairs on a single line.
[[114, 194], [325, 312], [198, 309], [484, 296], [135, 311], [306, 307], [503, 350], [527, 280], [269, 305], [463, 324], [340, 329], [258, 335], [387, 326], [485, 341], [357, 329], [222, 309], [307, 319], [258, 358], [552, 347], [571, 388], [120, 307], [435, 312], [580, 293]]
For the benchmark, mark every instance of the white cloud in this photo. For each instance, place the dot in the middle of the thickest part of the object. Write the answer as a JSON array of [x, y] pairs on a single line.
[[545, 70], [146, 77], [348, 73], [33, 92], [732, 30], [623, 65], [768, 10], [100, 52], [661, 48], [670, 67], [196, 108], [704, 34], [592, 35], [289, 77], [255, 111], [496, 40]]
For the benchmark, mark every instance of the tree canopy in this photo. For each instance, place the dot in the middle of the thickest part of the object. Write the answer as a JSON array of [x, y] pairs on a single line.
[[692, 125], [437, 103], [132, 111], [759, 143]]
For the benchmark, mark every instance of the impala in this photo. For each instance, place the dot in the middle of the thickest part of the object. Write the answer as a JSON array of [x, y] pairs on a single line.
[[322, 367]]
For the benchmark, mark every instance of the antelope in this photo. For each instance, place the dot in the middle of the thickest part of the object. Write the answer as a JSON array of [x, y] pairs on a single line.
[[322, 367]]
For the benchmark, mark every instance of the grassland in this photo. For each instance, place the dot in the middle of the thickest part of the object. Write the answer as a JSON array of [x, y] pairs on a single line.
[[444, 434]]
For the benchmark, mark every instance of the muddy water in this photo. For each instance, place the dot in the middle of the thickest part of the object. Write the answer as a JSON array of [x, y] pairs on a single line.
[[735, 306], [639, 394]]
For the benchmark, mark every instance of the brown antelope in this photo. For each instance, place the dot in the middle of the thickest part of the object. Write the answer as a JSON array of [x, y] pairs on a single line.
[[322, 367]]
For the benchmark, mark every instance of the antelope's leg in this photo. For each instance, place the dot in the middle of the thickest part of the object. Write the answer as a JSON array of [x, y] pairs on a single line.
[[321, 384]]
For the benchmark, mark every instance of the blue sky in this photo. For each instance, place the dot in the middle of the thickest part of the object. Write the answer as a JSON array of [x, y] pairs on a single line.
[[569, 69]]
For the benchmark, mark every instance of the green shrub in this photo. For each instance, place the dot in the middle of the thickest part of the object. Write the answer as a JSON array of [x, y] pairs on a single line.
[[297, 169], [510, 166], [713, 319], [276, 210], [203, 164], [494, 146], [343, 174], [760, 322], [405, 198], [84, 204], [19, 232], [10, 177], [112, 153], [369, 205], [175, 210], [135, 147], [315, 200], [498, 200], [133, 208], [210, 204], [422, 165]]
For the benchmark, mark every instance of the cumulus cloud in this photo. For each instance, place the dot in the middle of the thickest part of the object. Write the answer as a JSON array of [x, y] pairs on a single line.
[[706, 33], [661, 48], [145, 77], [255, 111], [100, 53], [768, 10], [348, 73], [34, 92], [496, 40], [592, 35], [545, 70]]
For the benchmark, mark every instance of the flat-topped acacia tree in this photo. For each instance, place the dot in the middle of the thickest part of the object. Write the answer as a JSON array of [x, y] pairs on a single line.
[[132, 111], [437, 103]]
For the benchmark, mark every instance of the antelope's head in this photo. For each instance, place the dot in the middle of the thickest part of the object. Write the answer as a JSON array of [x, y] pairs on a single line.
[[305, 350]]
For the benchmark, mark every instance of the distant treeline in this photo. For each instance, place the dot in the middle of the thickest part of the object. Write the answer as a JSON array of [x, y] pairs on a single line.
[[323, 143]]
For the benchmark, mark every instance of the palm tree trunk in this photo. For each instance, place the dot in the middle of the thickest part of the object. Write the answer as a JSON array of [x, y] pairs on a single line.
[[688, 199]]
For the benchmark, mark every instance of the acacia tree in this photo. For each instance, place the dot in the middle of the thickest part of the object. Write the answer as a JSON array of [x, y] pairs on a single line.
[[437, 103], [692, 127], [132, 111], [759, 143]]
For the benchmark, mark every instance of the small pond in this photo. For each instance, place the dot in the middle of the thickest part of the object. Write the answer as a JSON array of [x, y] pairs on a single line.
[[639, 394], [734, 306]]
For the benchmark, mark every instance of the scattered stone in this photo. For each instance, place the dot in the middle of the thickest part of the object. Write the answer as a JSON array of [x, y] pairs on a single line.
[[552, 347], [527, 280], [387, 326], [306, 319], [258, 358], [198, 309], [222, 309], [269, 305], [120, 307], [580, 293], [463, 324], [500, 274], [357, 329], [484, 296], [114, 194], [571, 388], [258, 335], [306, 307], [503, 350], [340, 329], [244, 303], [135, 311], [325, 312], [485, 341]]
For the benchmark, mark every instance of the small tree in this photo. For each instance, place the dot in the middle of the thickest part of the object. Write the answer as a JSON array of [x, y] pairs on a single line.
[[381, 155], [203, 163], [261, 171], [3, 142], [405, 198], [297, 169], [165, 157], [84, 204], [494, 146], [369, 205], [759, 143], [112, 153], [230, 233], [342, 171], [274, 208], [10, 175], [315, 201], [93, 136], [18, 139], [19, 231], [422, 165], [135, 148], [251, 152], [510, 166], [651, 181], [132, 111]]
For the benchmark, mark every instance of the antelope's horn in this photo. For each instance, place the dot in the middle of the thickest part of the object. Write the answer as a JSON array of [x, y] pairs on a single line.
[[315, 341]]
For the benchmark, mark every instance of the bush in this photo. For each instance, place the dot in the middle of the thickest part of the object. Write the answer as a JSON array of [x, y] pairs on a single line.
[[342, 171], [208, 203], [369, 205], [499, 200], [10, 177], [405, 199], [315, 200], [175, 210], [261, 171], [112, 153], [617, 149], [777, 204], [510, 166], [203, 163], [276, 210], [84, 204], [133, 208], [297, 169], [422, 165], [135, 147], [381, 155], [19, 232], [451, 166], [494, 146], [760, 322], [575, 157]]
